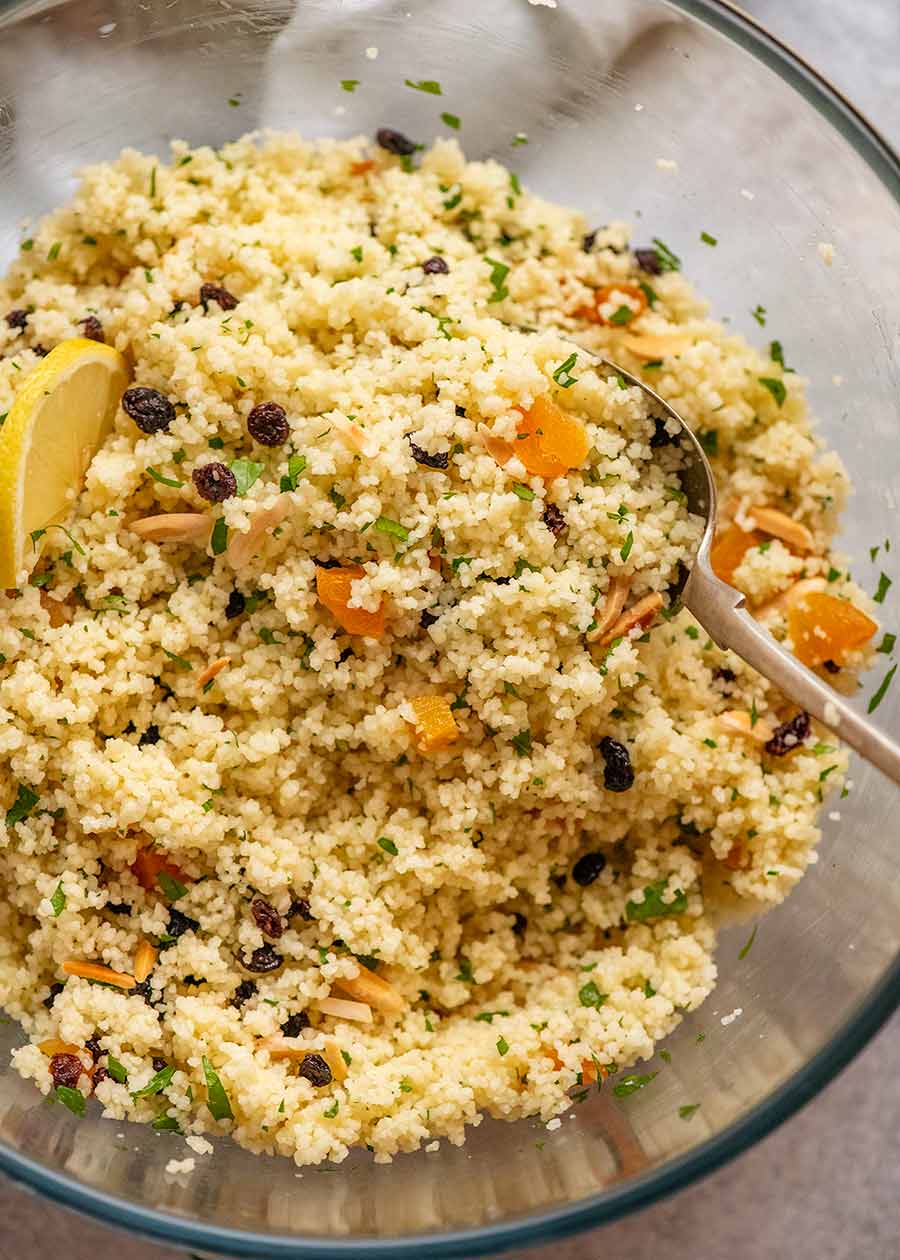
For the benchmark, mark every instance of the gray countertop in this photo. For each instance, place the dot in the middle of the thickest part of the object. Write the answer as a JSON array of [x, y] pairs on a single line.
[[825, 1185]]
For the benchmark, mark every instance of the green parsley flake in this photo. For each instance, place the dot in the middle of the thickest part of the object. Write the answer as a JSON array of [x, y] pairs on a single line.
[[219, 539], [22, 806], [523, 492], [688, 1110], [172, 889], [499, 272], [589, 995], [666, 259], [522, 743], [116, 1070], [749, 945], [709, 440], [349, 85], [563, 374], [884, 585], [179, 661], [246, 474], [625, 550], [653, 906], [707, 239], [71, 1098], [880, 693], [502, 1046], [384, 525], [775, 387], [887, 643], [631, 1083], [450, 120], [165, 481], [296, 466], [216, 1097], [356, 251], [58, 901], [156, 1084], [384, 842], [759, 314], [431, 86]]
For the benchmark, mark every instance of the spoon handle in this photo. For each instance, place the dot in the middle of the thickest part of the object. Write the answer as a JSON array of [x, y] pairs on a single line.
[[720, 610]]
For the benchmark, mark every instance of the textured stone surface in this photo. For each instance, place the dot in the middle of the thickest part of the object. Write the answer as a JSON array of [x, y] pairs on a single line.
[[825, 1185]]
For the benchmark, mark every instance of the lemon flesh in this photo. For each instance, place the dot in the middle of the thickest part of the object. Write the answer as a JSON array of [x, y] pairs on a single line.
[[60, 416]]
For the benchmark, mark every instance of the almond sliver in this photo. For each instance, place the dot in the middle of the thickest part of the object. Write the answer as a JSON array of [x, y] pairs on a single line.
[[342, 1008], [779, 525], [497, 447], [53, 1046], [213, 669], [97, 971], [145, 957], [174, 527], [373, 990], [739, 722], [243, 547], [657, 345], [639, 614], [611, 609]]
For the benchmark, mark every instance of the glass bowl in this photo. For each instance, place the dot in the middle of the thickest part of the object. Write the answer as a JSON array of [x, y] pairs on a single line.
[[776, 166]]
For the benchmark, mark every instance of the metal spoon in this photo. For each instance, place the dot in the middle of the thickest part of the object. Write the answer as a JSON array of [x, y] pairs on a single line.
[[721, 610]]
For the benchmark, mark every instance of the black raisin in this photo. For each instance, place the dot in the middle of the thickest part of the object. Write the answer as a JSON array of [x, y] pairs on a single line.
[[143, 990], [55, 989], [428, 618], [554, 520], [587, 241], [725, 674], [440, 459], [661, 435], [395, 142], [214, 482], [99, 1076], [460, 411], [92, 1045], [236, 604], [293, 1026], [299, 908], [559, 881], [159, 1064], [262, 960], [648, 260], [588, 867], [215, 293], [40, 351], [150, 736], [243, 993], [180, 923], [315, 1070], [618, 776], [92, 329], [346, 655], [435, 266], [118, 907], [17, 318], [65, 1069], [832, 667], [150, 410], [789, 735], [520, 923], [268, 424], [267, 918], [328, 563]]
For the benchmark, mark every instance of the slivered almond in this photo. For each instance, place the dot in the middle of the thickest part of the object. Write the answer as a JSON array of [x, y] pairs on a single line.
[[497, 447], [97, 971], [657, 345], [373, 990], [296, 1050], [174, 527], [335, 1060], [779, 525], [59, 611], [53, 1046], [639, 614], [793, 595], [739, 722], [145, 957], [243, 547], [354, 436], [609, 612], [341, 1008], [213, 669]]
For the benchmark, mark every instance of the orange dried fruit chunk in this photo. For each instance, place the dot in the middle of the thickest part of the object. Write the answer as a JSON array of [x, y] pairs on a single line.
[[333, 587], [435, 724], [550, 443], [825, 628], [149, 863], [729, 549], [637, 302]]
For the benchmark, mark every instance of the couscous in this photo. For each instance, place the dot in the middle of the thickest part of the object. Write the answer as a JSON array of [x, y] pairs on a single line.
[[360, 773]]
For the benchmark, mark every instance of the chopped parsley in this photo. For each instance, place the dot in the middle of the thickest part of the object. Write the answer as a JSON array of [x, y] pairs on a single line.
[[759, 314], [631, 1083], [450, 120], [165, 481], [880, 693], [749, 944], [356, 252], [58, 901], [216, 1098], [53, 252], [172, 889], [431, 86], [336, 498], [523, 492], [246, 473], [622, 315], [465, 971], [499, 272], [707, 239], [116, 1070], [156, 1084], [522, 743], [349, 85], [887, 643], [563, 374], [502, 1046], [384, 842], [22, 806], [709, 440], [219, 539], [71, 1098], [384, 525], [296, 466], [776, 354], [653, 906], [333, 1109], [166, 1124], [666, 259], [487, 1017], [178, 661], [833, 574], [775, 387], [884, 585], [589, 995], [688, 1110], [652, 298], [519, 138], [625, 550]]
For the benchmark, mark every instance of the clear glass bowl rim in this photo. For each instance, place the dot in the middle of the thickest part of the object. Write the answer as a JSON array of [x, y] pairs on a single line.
[[608, 1205]]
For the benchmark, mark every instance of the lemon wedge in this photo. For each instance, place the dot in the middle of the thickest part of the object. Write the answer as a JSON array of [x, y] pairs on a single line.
[[61, 414]]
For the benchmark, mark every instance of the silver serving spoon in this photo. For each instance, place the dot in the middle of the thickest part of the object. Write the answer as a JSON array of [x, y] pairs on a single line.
[[721, 610]]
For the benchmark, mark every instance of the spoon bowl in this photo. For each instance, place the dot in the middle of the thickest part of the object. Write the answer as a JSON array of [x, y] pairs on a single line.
[[722, 612]]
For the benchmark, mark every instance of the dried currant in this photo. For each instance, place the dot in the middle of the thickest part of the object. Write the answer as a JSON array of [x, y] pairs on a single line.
[[618, 775], [17, 318], [395, 142], [294, 1024], [236, 604], [65, 1069], [267, 918], [440, 459], [214, 482], [180, 923], [299, 908], [92, 329], [554, 520], [315, 1070], [789, 735], [262, 961], [243, 993], [436, 266], [268, 424], [215, 293], [150, 736], [150, 410], [648, 260], [588, 867]]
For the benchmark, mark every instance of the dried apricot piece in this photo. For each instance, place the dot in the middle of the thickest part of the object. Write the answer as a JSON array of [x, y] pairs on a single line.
[[825, 628], [334, 587], [435, 724], [149, 864], [550, 443], [636, 305], [729, 549]]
